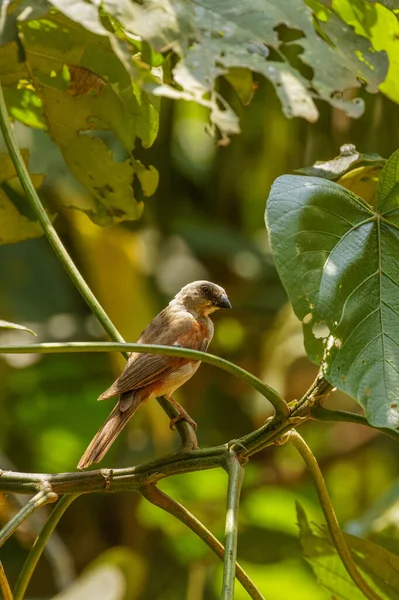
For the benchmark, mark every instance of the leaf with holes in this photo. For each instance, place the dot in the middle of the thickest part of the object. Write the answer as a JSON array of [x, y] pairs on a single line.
[[93, 110], [337, 257]]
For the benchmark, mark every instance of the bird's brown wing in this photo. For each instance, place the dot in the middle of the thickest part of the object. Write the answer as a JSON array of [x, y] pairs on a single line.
[[167, 329]]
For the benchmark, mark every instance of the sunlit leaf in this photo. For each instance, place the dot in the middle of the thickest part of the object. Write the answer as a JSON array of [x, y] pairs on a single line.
[[380, 25], [335, 255], [8, 325], [25, 105], [94, 112], [212, 38], [379, 567]]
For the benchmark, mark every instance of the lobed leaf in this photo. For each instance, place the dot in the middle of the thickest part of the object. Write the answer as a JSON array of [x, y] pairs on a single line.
[[337, 258], [215, 38]]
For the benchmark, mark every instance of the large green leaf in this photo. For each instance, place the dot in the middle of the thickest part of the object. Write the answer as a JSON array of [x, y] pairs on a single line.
[[377, 565], [17, 222], [212, 38], [86, 89], [337, 258], [70, 79]]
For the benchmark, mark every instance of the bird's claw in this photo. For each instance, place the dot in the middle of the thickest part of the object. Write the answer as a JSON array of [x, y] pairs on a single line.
[[183, 415]]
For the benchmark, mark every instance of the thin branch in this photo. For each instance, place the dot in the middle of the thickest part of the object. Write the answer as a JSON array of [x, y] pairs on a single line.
[[332, 522], [133, 478], [319, 413], [4, 585], [39, 545], [44, 496], [48, 228], [236, 475], [58, 555], [187, 434], [268, 392], [162, 500]]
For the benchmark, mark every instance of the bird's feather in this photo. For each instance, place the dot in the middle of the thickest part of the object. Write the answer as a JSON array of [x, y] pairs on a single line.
[[144, 369]]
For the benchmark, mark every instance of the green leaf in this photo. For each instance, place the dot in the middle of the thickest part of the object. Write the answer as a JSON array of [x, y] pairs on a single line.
[[8, 325], [25, 105], [17, 222], [213, 37], [380, 25], [378, 566], [93, 110], [335, 255], [242, 81]]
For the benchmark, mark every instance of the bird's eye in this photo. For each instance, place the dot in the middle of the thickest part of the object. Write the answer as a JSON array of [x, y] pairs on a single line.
[[205, 289]]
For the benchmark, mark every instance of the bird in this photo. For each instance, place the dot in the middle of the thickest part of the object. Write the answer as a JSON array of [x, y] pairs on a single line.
[[183, 323]]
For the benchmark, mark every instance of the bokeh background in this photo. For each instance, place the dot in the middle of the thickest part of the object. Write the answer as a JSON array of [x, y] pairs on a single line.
[[206, 220]]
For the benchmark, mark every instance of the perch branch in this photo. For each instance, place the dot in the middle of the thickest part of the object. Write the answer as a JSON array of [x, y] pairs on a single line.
[[268, 392]]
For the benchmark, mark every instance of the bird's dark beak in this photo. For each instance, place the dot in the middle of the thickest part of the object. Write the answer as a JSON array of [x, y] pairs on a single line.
[[223, 302]]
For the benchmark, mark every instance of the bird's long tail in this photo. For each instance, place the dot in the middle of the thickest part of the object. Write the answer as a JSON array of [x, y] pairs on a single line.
[[112, 427]]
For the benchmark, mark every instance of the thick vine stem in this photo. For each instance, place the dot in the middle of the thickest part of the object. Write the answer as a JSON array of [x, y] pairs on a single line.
[[5, 589], [154, 495], [319, 413], [39, 545], [319, 389], [332, 522], [282, 408], [236, 476], [44, 496]]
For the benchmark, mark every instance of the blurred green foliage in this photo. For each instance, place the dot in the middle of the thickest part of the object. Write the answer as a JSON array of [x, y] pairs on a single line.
[[204, 220]]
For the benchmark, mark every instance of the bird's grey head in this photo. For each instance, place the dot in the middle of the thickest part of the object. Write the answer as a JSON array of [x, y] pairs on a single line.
[[202, 297]]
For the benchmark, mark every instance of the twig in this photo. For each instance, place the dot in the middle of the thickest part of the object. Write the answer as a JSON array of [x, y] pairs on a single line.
[[319, 413], [332, 522], [268, 392], [48, 228], [162, 500], [44, 496], [58, 555], [4, 585], [187, 434], [39, 545], [236, 475]]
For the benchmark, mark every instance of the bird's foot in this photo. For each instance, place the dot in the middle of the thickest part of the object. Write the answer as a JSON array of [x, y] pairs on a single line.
[[183, 415]]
